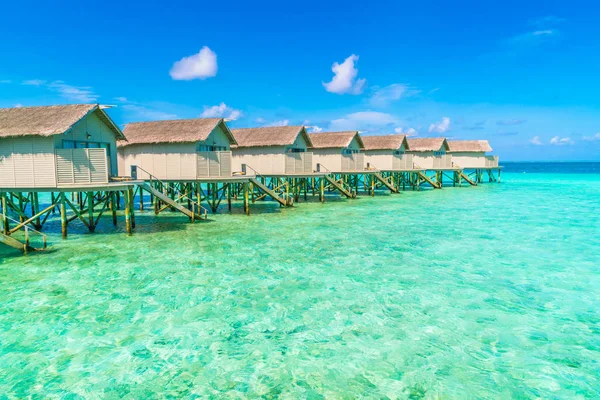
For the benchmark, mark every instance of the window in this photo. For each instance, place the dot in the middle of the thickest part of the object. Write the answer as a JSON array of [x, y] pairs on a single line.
[[439, 153], [77, 144], [349, 151], [208, 147], [398, 152], [295, 150]]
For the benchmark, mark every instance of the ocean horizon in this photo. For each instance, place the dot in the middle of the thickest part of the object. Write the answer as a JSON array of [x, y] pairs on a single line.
[[464, 292]]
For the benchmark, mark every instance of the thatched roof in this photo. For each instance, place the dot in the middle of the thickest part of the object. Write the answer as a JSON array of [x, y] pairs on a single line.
[[173, 131], [469, 146], [328, 140], [427, 144], [269, 136], [49, 120], [385, 142]]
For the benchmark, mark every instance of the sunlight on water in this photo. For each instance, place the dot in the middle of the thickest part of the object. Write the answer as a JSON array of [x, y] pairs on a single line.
[[463, 292]]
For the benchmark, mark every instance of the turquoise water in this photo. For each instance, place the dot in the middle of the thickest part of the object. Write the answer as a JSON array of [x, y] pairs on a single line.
[[486, 292]]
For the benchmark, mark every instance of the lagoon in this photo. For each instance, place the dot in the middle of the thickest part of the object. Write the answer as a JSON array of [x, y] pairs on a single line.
[[488, 291]]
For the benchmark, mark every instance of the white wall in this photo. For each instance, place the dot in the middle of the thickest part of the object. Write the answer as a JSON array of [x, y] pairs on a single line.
[[380, 159], [265, 160], [27, 162], [469, 160], [330, 159], [170, 161]]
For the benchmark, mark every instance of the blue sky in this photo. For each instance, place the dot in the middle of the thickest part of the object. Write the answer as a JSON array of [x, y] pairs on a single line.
[[523, 75]]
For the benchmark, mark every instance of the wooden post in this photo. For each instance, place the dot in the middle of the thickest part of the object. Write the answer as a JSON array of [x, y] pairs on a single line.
[[214, 206], [141, 191], [63, 215], [131, 197], [4, 212], [322, 190], [35, 209], [127, 211], [90, 199], [372, 185], [246, 205], [228, 187], [113, 208]]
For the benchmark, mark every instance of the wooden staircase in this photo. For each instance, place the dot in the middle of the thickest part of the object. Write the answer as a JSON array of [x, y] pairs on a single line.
[[427, 179], [10, 241], [172, 203], [385, 182], [280, 198], [340, 186], [466, 178]]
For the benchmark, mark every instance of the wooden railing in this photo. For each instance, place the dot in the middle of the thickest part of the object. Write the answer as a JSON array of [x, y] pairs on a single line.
[[196, 206]]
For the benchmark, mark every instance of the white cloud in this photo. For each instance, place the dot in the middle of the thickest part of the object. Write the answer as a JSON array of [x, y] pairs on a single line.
[[382, 97], [558, 141], [536, 140], [34, 82], [535, 38], [440, 127], [344, 79], [79, 94], [407, 132], [368, 121], [83, 94], [198, 66], [261, 120], [283, 122], [221, 111], [5, 81], [140, 112], [18, 105], [314, 129], [592, 138]]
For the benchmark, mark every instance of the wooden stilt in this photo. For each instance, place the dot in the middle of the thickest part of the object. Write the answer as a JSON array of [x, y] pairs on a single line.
[[131, 208], [228, 188], [127, 211], [4, 213], [322, 190], [63, 215], [90, 201], [246, 205], [113, 208]]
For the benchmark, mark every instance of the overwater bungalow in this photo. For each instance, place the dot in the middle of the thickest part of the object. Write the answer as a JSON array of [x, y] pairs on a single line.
[[471, 154], [430, 153], [274, 150], [57, 146], [387, 153], [338, 152], [177, 150]]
